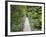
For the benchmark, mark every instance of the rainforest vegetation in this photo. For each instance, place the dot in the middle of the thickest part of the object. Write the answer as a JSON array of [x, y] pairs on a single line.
[[34, 14]]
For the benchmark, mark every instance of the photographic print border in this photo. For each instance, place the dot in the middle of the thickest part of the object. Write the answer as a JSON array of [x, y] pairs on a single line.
[[6, 18]]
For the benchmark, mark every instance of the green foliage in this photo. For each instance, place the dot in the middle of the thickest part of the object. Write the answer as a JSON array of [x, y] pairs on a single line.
[[34, 13], [35, 17], [17, 12]]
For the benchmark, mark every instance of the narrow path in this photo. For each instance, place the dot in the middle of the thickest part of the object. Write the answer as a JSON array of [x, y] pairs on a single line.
[[27, 25]]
